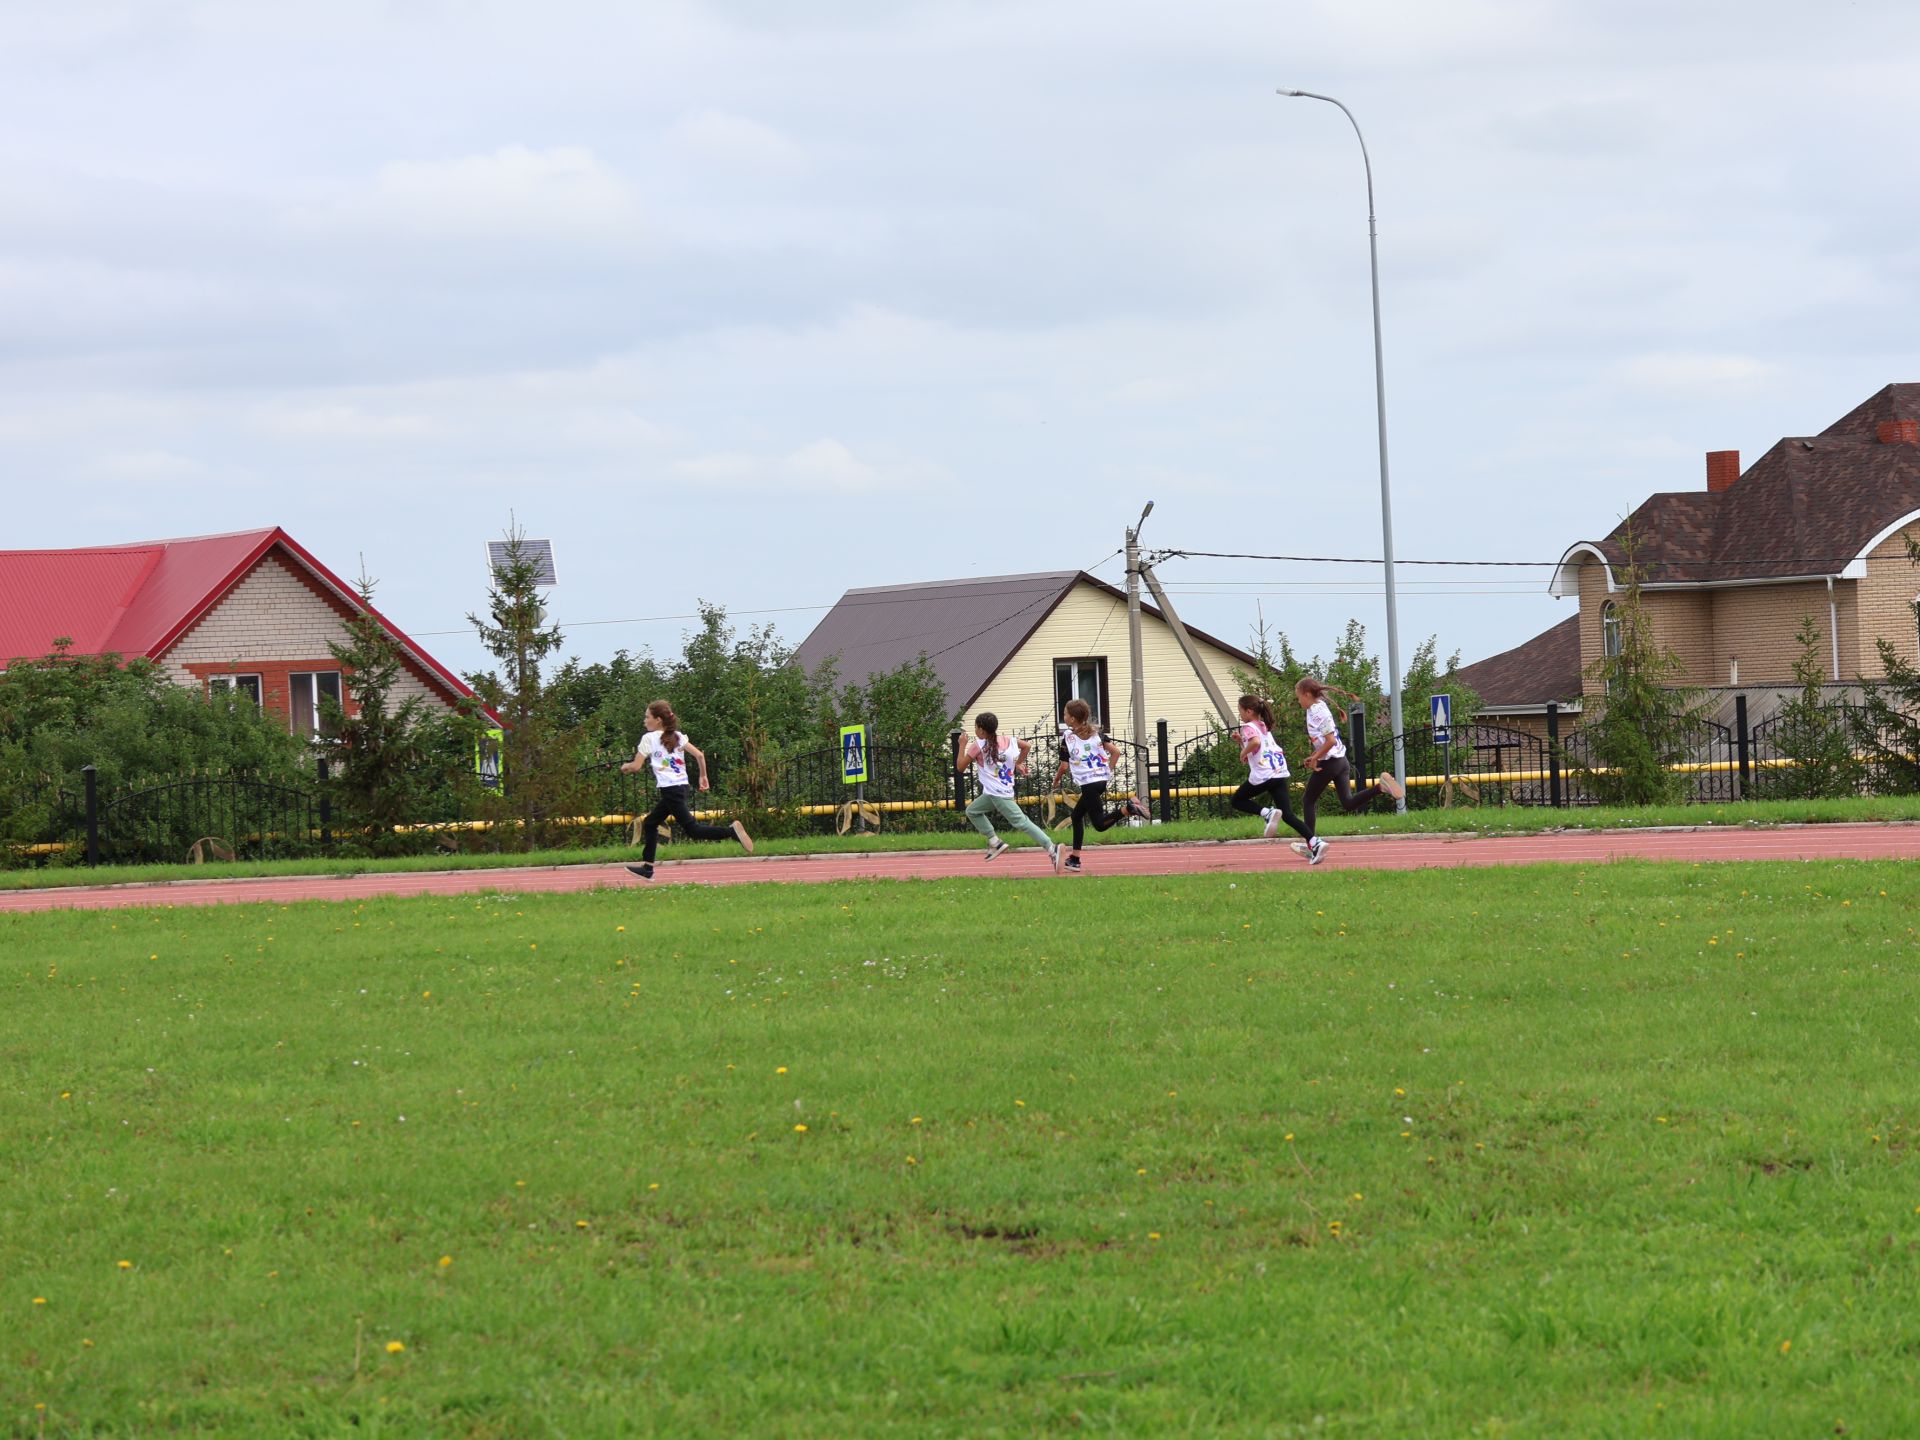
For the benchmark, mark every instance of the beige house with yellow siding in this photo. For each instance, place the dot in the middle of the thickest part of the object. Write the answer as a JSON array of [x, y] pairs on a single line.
[[1022, 646], [1816, 529]]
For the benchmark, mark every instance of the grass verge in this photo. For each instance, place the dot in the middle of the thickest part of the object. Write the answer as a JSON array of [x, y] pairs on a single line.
[[1526, 1152]]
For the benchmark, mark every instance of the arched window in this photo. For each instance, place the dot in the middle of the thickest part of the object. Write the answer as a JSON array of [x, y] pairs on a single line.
[[1609, 630]]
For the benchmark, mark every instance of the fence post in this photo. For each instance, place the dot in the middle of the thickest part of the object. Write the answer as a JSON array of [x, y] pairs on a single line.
[[92, 779], [959, 781], [1742, 746], [1166, 773], [1357, 741], [326, 805], [1553, 754]]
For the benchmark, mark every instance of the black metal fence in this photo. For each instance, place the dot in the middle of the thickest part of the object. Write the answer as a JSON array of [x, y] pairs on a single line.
[[1188, 777]]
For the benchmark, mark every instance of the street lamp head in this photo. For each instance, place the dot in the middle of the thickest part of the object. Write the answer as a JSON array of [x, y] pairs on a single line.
[[1292, 92]]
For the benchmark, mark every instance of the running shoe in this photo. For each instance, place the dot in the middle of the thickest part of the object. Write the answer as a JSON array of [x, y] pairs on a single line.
[[1300, 847], [740, 834], [1059, 858], [1273, 823], [1316, 850], [1137, 806], [1391, 784], [1073, 864], [996, 847], [645, 871]]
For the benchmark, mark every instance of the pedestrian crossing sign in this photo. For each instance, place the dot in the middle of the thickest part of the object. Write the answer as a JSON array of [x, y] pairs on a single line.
[[853, 754]]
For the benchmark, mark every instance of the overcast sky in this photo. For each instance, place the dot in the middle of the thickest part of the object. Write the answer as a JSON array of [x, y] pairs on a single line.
[[754, 300]]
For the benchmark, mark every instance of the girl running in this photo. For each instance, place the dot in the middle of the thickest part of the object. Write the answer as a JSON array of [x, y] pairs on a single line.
[[1089, 757], [666, 750], [1267, 775], [1328, 761], [995, 763]]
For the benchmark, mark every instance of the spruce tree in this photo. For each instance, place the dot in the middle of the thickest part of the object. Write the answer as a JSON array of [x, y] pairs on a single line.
[[1644, 721], [376, 742], [1812, 732]]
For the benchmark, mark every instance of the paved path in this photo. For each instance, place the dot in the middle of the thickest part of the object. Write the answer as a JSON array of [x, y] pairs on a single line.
[[1389, 852]]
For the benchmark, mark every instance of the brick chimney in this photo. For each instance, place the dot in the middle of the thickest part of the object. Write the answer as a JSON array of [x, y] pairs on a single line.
[[1723, 468], [1899, 432]]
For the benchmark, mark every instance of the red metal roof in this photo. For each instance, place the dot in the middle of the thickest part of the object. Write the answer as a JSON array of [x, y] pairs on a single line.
[[139, 599]]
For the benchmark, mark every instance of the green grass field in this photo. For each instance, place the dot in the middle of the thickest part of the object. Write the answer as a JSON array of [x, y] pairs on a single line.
[[1537, 1152], [1511, 820]]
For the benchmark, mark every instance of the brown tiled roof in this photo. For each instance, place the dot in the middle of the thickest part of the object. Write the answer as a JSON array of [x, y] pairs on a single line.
[[967, 629], [1806, 507], [1545, 668]]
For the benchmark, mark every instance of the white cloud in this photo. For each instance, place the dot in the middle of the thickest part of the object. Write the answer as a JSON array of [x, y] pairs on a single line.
[[824, 466], [1697, 373], [564, 195], [716, 137]]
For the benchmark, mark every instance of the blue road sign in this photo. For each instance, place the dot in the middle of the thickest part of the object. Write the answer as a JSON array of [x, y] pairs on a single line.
[[1442, 708], [853, 754]]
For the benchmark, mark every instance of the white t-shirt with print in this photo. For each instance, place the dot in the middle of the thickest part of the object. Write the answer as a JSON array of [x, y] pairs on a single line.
[[996, 776], [1320, 725], [1086, 759], [669, 766], [1269, 762]]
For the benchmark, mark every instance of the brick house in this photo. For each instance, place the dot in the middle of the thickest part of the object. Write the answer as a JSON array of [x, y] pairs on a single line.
[[250, 613], [1817, 526]]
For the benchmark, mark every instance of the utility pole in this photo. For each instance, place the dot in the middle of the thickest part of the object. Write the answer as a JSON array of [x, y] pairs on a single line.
[[1394, 673], [1136, 662]]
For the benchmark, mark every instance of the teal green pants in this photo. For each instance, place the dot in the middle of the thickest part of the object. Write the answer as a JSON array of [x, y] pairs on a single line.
[[1011, 815]]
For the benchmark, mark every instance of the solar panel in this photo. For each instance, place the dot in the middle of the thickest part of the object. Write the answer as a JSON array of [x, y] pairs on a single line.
[[538, 552]]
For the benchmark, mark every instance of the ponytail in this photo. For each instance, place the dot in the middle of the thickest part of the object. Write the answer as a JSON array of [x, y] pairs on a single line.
[[989, 722], [669, 725], [1318, 690], [1262, 711], [1080, 714]]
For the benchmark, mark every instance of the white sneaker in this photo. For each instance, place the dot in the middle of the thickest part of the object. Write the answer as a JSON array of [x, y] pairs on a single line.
[[1273, 823], [996, 847], [1058, 855], [1391, 784], [1300, 847], [740, 834], [1316, 850]]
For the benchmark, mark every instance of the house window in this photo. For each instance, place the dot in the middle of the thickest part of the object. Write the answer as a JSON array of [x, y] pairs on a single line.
[[1081, 679], [231, 687], [1609, 630], [305, 696]]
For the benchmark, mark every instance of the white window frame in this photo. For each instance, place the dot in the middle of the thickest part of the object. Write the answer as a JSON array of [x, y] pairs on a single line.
[[246, 684], [312, 679], [1096, 701], [1609, 630]]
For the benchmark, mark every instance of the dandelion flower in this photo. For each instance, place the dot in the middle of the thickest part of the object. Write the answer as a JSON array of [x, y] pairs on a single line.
[[1785, 1346], [1021, 1103], [1140, 1172], [914, 1121], [620, 929], [86, 1344], [39, 1299], [654, 1186], [799, 1129], [1398, 1091], [126, 1264], [1153, 1234], [395, 1347], [1358, 1196], [912, 1161], [445, 1261], [580, 1225], [780, 1070], [1289, 1136]]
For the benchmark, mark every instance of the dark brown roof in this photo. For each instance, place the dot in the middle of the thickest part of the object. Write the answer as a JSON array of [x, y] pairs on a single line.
[[967, 629], [1545, 668], [1807, 507]]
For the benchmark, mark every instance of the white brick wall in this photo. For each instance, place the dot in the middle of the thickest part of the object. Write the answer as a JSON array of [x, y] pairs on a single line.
[[271, 615]]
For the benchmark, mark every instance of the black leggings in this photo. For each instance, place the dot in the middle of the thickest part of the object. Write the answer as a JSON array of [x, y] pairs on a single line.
[[673, 801], [1247, 801], [1335, 771], [1091, 809]]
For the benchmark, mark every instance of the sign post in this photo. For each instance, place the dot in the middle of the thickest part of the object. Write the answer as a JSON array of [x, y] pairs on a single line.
[[490, 759], [1441, 706], [853, 767]]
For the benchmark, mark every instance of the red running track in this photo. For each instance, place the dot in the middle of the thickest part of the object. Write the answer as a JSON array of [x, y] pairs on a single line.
[[1387, 852]]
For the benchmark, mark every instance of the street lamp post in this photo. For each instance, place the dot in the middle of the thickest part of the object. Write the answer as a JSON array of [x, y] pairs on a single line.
[[1394, 675]]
